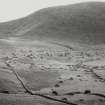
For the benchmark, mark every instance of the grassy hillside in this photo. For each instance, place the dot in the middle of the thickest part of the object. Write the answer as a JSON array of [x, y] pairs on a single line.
[[82, 22]]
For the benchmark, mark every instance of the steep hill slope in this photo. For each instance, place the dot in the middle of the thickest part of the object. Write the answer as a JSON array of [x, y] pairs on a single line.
[[82, 22]]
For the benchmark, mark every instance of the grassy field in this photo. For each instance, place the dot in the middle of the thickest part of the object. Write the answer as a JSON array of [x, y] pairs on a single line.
[[55, 71]]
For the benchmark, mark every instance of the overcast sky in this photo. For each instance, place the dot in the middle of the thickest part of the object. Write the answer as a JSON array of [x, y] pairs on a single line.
[[12, 9]]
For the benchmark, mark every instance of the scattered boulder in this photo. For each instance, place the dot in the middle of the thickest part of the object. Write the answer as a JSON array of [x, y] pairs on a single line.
[[87, 91]]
